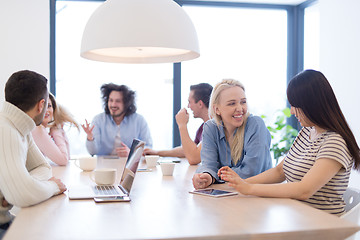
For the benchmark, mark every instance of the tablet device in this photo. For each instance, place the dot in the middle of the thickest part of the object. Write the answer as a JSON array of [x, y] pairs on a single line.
[[213, 192]]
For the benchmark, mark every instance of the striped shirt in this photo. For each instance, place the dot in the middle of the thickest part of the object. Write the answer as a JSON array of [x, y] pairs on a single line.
[[302, 156]]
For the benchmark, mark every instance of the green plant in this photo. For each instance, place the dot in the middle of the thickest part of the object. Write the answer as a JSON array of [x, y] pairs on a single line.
[[282, 134]]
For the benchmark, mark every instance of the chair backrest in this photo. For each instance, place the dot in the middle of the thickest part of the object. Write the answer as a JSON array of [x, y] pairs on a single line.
[[351, 198], [352, 208]]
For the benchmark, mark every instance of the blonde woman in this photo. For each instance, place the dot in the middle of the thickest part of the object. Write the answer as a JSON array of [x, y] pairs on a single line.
[[50, 136], [233, 137], [318, 165]]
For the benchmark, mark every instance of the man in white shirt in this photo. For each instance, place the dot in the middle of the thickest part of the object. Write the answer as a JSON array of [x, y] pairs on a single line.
[[199, 98], [25, 176]]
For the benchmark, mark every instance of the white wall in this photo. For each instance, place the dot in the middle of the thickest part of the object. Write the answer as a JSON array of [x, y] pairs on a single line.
[[339, 59], [24, 44], [24, 40]]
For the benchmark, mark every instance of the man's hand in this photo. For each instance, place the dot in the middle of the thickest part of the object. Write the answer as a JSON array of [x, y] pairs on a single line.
[[123, 151], [60, 184], [88, 130], [182, 117]]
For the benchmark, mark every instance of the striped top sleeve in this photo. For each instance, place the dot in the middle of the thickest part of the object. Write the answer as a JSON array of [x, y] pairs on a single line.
[[302, 156], [335, 148]]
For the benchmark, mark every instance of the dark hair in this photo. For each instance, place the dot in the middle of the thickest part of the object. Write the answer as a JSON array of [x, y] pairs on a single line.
[[25, 89], [202, 91], [311, 92], [128, 97]]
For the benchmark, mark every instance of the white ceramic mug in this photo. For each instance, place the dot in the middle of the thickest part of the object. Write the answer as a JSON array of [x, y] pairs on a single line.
[[86, 163], [167, 168], [151, 160], [104, 176]]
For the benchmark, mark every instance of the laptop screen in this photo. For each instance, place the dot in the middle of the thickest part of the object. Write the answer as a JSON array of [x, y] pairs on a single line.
[[132, 163]]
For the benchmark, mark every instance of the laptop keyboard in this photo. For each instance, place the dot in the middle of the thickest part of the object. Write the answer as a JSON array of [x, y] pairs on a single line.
[[105, 190]]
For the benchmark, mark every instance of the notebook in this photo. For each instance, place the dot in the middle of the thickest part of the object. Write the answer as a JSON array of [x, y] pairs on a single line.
[[127, 178]]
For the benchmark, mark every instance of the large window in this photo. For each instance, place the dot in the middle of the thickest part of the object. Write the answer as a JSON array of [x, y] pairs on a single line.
[[247, 44], [78, 80]]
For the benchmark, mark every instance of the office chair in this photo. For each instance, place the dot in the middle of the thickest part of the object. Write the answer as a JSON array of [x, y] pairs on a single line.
[[352, 208]]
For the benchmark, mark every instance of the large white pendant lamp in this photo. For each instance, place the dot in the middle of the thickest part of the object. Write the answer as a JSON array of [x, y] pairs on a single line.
[[139, 31]]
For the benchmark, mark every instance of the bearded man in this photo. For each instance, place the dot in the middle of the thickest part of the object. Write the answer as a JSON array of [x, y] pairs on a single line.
[[112, 132]]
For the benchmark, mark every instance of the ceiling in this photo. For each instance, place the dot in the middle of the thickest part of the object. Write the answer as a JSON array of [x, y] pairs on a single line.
[[282, 2], [286, 2]]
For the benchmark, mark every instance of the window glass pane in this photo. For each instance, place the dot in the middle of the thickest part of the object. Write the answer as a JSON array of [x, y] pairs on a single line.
[[79, 80], [245, 44], [248, 45], [311, 37]]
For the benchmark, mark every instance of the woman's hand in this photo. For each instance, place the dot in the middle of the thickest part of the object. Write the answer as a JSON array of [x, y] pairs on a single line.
[[4, 203], [233, 179], [149, 151], [55, 129], [202, 180]]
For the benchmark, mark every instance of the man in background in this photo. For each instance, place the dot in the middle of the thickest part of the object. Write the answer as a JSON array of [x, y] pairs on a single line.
[[113, 131], [25, 175], [199, 98]]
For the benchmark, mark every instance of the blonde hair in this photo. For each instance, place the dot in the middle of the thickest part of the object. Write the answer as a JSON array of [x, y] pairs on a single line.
[[236, 148], [61, 115]]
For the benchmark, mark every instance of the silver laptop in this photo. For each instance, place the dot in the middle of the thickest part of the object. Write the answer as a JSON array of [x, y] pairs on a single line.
[[121, 191]]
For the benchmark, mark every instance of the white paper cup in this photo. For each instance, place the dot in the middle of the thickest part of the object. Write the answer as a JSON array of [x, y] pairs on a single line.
[[151, 160], [104, 176], [86, 163], [167, 168]]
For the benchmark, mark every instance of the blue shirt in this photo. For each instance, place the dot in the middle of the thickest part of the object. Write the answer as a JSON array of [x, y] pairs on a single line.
[[104, 132], [215, 150]]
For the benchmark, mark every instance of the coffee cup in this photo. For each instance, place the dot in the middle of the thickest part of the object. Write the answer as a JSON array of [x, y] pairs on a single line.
[[104, 176], [151, 160], [167, 168], [86, 163]]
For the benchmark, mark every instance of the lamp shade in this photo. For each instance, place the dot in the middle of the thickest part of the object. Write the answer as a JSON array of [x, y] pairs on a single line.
[[139, 31]]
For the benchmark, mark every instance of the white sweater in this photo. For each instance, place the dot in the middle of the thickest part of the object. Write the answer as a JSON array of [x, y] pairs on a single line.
[[24, 172]]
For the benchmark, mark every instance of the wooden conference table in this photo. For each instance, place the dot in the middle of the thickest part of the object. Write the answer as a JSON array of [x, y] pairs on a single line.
[[162, 208]]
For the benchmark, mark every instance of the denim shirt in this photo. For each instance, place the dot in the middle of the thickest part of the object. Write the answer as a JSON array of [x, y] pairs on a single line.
[[104, 132], [215, 151]]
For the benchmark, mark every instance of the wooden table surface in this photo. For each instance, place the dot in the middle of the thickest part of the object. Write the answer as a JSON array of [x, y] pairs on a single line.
[[162, 208]]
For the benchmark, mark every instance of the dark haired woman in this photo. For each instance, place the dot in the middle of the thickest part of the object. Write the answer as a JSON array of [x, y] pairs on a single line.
[[318, 165]]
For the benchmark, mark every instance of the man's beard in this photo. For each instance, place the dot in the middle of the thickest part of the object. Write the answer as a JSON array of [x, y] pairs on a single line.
[[117, 115], [38, 119]]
